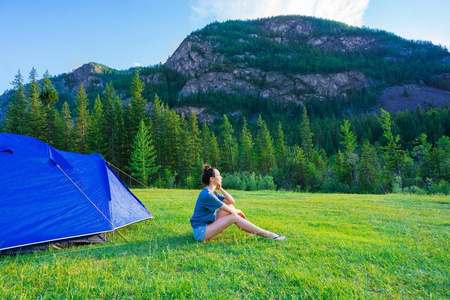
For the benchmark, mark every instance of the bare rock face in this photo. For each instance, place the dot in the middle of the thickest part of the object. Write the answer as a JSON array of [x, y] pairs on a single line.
[[279, 86], [285, 31], [86, 74], [291, 26], [194, 57], [218, 82], [202, 117], [253, 75], [157, 78], [83, 72], [276, 86], [335, 84], [345, 43]]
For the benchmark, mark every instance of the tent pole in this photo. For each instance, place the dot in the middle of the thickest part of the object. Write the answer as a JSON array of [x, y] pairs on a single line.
[[118, 232]]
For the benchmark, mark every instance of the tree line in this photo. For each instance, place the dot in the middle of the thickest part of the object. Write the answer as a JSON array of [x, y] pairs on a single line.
[[164, 149]]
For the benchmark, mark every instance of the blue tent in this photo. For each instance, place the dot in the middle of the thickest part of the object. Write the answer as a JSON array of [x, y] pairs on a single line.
[[50, 195]]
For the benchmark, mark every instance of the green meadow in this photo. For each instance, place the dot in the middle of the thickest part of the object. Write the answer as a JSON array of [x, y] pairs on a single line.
[[338, 247]]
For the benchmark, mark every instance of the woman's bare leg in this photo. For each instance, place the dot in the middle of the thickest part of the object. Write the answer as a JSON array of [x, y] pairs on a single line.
[[222, 213], [225, 221]]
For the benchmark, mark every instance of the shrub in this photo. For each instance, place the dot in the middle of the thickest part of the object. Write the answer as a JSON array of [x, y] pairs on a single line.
[[333, 185], [397, 185], [191, 182], [442, 187], [414, 190], [169, 179], [247, 181], [265, 183]]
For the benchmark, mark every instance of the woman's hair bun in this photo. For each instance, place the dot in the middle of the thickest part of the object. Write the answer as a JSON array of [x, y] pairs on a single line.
[[206, 167]]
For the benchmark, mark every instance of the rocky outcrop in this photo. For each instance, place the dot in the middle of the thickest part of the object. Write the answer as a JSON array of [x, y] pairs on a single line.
[[218, 82], [86, 74], [193, 57], [202, 117], [86, 70], [281, 26], [276, 86], [337, 84], [155, 79], [343, 44]]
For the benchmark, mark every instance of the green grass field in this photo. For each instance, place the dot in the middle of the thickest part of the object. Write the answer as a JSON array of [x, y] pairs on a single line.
[[338, 247]]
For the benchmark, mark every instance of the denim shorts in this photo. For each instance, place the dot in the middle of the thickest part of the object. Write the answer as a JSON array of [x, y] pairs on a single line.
[[199, 233]]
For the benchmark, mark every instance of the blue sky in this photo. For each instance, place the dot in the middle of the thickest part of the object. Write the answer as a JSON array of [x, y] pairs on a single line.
[[61, 35]]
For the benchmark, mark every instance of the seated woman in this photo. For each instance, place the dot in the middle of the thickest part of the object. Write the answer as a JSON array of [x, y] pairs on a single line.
[[212, 216]]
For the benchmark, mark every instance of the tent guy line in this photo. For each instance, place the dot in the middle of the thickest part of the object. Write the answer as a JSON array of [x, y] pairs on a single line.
[[87, 197]]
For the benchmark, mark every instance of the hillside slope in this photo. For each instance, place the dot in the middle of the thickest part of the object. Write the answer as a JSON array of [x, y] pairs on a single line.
[[286, 60]]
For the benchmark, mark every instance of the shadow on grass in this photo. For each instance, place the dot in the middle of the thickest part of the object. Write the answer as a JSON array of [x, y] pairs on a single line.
[[111, 249]]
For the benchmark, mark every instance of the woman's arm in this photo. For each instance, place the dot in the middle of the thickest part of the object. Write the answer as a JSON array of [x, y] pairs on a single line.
[[228, 198], [232, 210]]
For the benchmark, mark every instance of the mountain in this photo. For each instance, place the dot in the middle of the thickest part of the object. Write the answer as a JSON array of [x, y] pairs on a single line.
[[257, 66]]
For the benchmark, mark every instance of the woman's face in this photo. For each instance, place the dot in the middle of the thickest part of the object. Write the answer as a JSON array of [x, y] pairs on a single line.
[[217, 179]]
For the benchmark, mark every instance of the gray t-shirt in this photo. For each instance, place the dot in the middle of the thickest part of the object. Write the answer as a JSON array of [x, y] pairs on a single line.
[[207, 203]]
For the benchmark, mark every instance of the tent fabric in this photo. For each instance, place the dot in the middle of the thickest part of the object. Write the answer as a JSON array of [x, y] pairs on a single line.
[[49, 195]]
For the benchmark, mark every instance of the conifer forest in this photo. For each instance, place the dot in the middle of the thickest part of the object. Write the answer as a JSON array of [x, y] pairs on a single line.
[[310, 151]]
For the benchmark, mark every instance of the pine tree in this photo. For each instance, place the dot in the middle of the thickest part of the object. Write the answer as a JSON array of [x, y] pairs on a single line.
[[264, 148], [339, 167], [421, 155], [318, 169], [194, 133], [135, 112], [205, 138], [280, 148], [351, 159], [214, 151], [439, 162], [17, 116], [82, 121], [110, 128], [299, 168], [157, 116], [191, 150], [171, 143], [229, 147], [246, 149], [57, 130], [393, 152], [143, 156], [97, 138], [67, 125], [118, 156], [37, 115], [348, 138], [184, 154], [368, 168], [49, 98], [306, 135], [138, 111]]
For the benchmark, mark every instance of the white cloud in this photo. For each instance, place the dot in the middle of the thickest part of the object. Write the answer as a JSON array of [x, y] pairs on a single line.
[[136, 64], [347, 11]]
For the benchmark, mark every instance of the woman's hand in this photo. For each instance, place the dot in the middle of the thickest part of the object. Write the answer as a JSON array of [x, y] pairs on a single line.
[[241, 214]]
